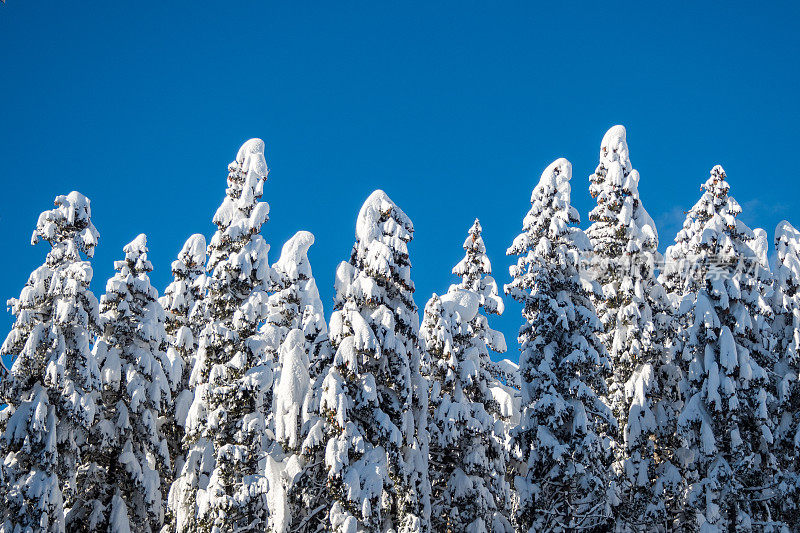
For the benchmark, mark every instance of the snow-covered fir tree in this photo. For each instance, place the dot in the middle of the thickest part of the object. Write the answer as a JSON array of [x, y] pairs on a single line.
[[223, 484], [374, 396], [475, 271], [182, 303], [786, 328], [467, 457], [51, 393], [635, 312], [562, 438], [296, 322], [136, 392], [725, 426]]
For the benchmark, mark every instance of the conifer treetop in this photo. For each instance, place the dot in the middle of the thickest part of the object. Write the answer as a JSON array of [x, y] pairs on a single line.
[[193, 253], [293, 261], [615, 185], [241, 212], [551, 212], [787, 246], [70, 223], [475, 269]]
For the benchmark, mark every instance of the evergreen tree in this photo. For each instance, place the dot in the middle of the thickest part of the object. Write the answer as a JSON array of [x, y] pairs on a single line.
[[51, 392], [497, 393], [223, 483], [635, 312], [725, 425], [467, 457], [786, 305], [183, 307], [135, 392], [297, 321], [374, 396], [564, 484]]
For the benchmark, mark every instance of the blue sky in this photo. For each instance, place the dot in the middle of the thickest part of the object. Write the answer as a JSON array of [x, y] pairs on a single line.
[[453, 108]]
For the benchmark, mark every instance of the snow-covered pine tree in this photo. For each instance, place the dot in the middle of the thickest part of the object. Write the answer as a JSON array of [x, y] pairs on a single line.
[[374, 396], [51, 392], [136, 392], [223, 483], [786, 327], [725, 426], [183, 307], [467, 457], [562, 438], [296, 322], [475, 272], [635, 312]]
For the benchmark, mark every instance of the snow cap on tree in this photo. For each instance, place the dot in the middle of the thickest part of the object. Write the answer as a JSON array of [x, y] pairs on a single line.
[[186, 288], [233, 255], [294, 256], [69, 224]]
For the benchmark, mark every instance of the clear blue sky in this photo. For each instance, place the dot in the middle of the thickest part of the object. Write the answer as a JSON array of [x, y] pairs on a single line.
[[453, 108]]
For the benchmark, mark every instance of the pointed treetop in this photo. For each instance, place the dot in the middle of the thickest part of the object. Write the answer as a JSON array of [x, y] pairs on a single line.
[[615, 185], [70, 221], [475, 269], [717, 186], [615, 147], [551, 200], [294, 256], [555, 182], [787, 238], [717, 180], [241, 211], [716, 193], [475, 230], [551, 219], [136, 247], [760, 246], [379, 208], [193, 252], [136, 255], [250, 158], [787, 246], [475, 263], [474, 246]]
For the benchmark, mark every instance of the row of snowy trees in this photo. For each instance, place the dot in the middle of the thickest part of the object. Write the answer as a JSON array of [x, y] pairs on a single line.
[[652, 394]]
